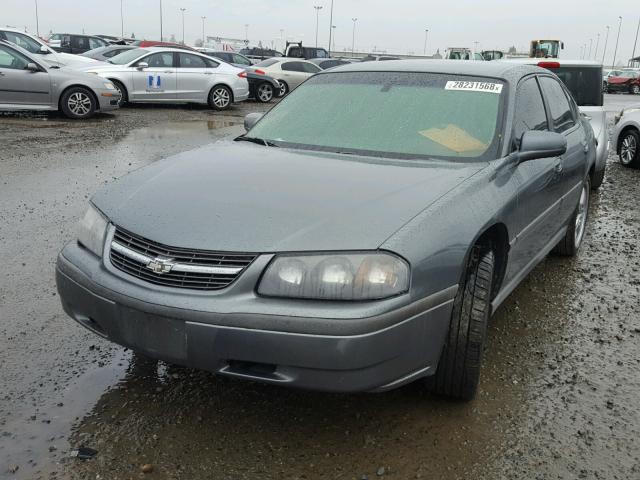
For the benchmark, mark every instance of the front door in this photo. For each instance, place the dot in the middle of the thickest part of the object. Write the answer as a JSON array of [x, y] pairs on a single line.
[[158, 81], [19, 86]]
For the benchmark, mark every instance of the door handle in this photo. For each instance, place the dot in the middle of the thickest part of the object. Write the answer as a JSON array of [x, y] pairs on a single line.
[[168, 71], [558, 168], [208, 73], [1, 74]]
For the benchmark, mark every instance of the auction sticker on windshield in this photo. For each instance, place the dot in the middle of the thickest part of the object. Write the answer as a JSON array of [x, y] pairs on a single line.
[[474, 86]]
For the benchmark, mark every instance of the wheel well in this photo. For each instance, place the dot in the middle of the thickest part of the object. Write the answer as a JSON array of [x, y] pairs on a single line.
[[222, 85], [93, 94], [496, 238], [621, 136], [124, 87]]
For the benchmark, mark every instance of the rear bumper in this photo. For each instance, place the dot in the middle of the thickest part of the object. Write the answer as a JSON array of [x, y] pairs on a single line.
[[618, 87], [407, 348]]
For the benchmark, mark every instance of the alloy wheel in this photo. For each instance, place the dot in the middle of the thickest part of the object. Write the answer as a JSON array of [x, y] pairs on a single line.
[[283, 89], [221, 97], [636, 89], [581, 217], [265, 92], [628, 149], [79, 103]]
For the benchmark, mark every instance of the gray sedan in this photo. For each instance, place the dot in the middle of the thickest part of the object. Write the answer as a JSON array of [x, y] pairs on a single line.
[[30, 84], [358, 237]]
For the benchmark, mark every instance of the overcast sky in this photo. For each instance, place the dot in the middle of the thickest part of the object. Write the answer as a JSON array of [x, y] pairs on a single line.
[[397, 26]]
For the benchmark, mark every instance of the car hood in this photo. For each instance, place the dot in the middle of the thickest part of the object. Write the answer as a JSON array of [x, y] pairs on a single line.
[[235, 196], [76, 61]]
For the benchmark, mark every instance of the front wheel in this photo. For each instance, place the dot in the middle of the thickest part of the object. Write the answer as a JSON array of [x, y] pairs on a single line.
[[220, 98], [572, 240], [124, 97], [284, 89], [629, 152], [265, 92], [78, 103], [458, 371], [635, 89]]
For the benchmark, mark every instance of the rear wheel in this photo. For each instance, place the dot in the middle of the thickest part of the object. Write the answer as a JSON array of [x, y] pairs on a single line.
[[635, 89], [124, 96], [629, 149], [220, 98], [572, 240], [78, 103], [265, 92], [597, 178], [458, 371], [284, 89]]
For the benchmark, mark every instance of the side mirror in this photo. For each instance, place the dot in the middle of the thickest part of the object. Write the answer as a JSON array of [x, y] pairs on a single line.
[[44, 50], [537, 144], [32, 67], [251, 119], [142, 65]]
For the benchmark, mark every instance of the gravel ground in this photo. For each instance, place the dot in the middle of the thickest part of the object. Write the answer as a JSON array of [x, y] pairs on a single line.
[[558, 395]]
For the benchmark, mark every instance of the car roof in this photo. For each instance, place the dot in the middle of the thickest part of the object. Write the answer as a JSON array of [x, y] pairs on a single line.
[[561, 61], [503, 70]]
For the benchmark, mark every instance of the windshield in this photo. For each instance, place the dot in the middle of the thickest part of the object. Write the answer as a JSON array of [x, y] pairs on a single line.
[[266, 63], [584, 83], [392, 114], [128, 56]]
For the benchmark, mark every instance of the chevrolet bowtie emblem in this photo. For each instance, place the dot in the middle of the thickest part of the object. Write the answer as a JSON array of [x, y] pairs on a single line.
[[160, 265]]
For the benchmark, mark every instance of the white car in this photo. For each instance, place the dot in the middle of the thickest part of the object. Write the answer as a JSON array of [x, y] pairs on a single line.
[[290, 72], [173, 75], [39, 48]]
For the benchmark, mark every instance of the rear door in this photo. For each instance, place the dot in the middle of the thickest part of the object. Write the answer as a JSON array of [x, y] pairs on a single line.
[[540, 180], [194, 77], [157, 82], [565, 121], [19, 86]]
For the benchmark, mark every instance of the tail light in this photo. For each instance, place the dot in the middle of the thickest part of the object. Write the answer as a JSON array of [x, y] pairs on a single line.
[[549, 64], [260, 72], [242, 74]]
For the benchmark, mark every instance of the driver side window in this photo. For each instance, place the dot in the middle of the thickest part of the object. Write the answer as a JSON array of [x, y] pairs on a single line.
[[12, 60], [530, 113], [159, 60]]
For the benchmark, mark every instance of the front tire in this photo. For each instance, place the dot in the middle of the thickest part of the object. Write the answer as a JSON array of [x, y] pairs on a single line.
[[598, 178], [458, 371], [630, 149], [572, 240], [220, 98], [265, 92], [124, 95], [78, 103], [284, 89], [635, 89]]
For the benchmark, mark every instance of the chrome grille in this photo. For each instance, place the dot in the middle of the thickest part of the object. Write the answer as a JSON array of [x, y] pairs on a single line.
[[175, 267]]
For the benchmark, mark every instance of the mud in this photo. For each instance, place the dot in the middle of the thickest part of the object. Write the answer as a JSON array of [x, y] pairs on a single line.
[[558, 395]]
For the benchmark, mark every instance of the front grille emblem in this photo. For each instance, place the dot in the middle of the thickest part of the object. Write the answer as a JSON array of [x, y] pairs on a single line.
[[161, 265]]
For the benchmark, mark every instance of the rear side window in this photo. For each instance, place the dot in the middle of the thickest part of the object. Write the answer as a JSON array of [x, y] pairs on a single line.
[[293, 67], [530, 113], [96, 43], [191, 61], [584, 83], [310, 68], [560, 109], [80, 42]]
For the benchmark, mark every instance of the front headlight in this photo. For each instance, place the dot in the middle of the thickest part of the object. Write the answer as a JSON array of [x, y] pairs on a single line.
[[91, 230], [338, 276], [109, 86]]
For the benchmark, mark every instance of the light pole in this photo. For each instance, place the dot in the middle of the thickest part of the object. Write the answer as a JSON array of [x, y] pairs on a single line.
[[160, 20], [475, 48], [203, 19], [426, 36], [590, 46], [183, 10], [633, 55], [317, 8], [595, 54], [331, 26], [606, 40], [246, 32], [282, 38], [353, 36], [615, 52], [121, 21], [37, 21]]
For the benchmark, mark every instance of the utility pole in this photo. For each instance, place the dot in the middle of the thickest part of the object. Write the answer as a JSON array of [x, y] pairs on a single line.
[[282, 39], [183, 10], [606, 40], [160, 20], [426, 36], [590, 46], [317, 8], [121, 21], [37, 20], [246, 33], [353, 36], [595, 54], [203, 19], [615, 52], [633, 55], [331, 27]]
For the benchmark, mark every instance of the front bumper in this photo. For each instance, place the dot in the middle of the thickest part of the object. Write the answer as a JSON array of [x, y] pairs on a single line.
[[107, 99], [377, 352], [618, 87]]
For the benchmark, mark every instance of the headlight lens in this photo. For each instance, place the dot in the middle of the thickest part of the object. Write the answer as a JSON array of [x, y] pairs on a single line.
[[91, 230], [109, 86], [361, 276]]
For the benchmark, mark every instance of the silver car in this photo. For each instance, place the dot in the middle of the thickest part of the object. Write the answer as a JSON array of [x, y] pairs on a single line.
[[290, 72], [27, 83], [103, 54], [173, 75], [40, 49], [626, 136]]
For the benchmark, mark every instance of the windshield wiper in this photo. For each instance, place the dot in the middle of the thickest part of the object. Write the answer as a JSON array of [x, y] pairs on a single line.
[[259, 141]]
